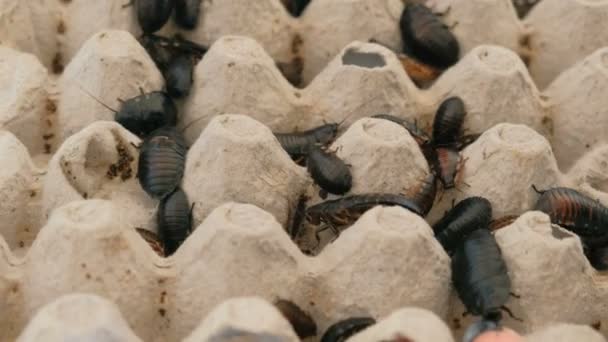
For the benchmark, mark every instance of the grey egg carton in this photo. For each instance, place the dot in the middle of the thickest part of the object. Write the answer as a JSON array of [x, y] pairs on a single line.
[[67, 223]]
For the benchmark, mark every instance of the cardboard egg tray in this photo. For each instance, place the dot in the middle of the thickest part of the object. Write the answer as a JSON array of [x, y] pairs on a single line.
[[535, 89]]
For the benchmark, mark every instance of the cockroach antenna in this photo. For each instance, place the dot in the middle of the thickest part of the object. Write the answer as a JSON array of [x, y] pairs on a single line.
[[97, 100]]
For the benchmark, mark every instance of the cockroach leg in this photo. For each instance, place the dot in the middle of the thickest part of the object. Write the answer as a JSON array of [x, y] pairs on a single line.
[[510, 313], [540, 192], [514, 295]]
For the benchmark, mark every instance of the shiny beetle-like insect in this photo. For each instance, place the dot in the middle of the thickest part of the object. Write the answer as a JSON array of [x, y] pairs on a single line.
[[295, 7], [575, 212], [153, 240], [447, 162], [447, 126], [328, 171], [467, 216], [161, 162], [418, 134], [153, 14], [426, 38], [344, 329], [300, 321], [481, 277], [298, 144], [187, 13], [174, 218]]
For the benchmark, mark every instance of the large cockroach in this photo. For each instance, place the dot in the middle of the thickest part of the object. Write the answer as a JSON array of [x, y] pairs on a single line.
[[426, 38], [174, 218], [424, 195], [153, 14], [446, 163], [187, 13], [344, 329], [328, 171], [298, 144], [467, 216], [447, 126], [153, 240], [480, 276], [295, 7], [418, 134], [301, 322], [162, 161], [577, 213]]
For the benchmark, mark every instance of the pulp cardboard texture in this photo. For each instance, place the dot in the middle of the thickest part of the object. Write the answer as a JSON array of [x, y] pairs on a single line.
[[70, 199]]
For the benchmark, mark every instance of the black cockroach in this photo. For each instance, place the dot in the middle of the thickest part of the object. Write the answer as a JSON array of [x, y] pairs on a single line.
[[447, 126], [295, 7], [481, 277], [301, 322], [153, 14], [161, 162], [447, 162], [174, 218], [163, 50], [575, 212], [418, 134], [467, 216], [424, 195], [187, 13], [344, 329], [298, 144], [153, 240], [178, 76], [328, 171], [598, 257], [426, 38], [346, 210]]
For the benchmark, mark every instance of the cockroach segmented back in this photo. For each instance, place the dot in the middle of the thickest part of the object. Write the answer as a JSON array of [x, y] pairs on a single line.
[[298, 144], [426, 38], [153, 240], [467, 216], [418, 134], [575, 212], [478, 328], [447, 126], [301, 322], [153, 14], [174, 220], [329, 172], [162, 162], [480, 275], [447, 162], [424, 195], [187, 13], [344, 329], [147, 112]]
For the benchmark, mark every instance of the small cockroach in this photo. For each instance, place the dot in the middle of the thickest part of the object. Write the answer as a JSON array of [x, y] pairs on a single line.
[[418, 134], [426, 38], [480, 276], [298, 144], [153, 14], [424, 195], [344, 329], [295, 7], [161, 162], [174, 218], [163, 50], [301, 322], [328, 171], [178, 76], [447, 162], [447, 126], [598, 257], [153, 240], [467, 216], [187, 13], [575, 212]]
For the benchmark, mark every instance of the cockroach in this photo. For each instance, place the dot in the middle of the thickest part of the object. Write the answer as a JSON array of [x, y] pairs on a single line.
[[163, 50], [447, 126], [178, 76], [328, 171], [426, 38], [598, 257], [447, 163], [295, 7], [302, 323], [424, 195], [187, 13], [153, 14], [344, 329], [418, 134], [174, 218], [575, 212], [161, 162], [153, 240], [298, 144], [480, 276], [346, 210], [467, 216], [144, 113]]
